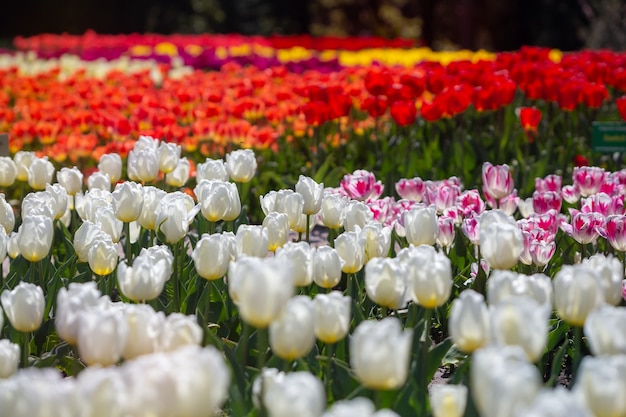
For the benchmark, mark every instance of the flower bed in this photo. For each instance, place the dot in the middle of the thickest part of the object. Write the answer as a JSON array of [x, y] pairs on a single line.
[[162, 277]]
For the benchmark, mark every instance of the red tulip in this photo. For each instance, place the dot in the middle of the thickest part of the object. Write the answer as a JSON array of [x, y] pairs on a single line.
[[570, 94], [529, 117], [403, 112], [376, 106], [581, 161], [594, 95], [377, 82], [621, 106]]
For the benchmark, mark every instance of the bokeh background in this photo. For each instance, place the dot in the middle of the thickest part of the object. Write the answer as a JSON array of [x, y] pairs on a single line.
[[441, 24]]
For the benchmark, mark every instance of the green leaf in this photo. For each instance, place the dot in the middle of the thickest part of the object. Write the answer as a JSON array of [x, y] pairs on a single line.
[[435, 357]]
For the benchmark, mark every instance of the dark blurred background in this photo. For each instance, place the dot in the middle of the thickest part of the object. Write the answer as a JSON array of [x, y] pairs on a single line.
[[442, 24]]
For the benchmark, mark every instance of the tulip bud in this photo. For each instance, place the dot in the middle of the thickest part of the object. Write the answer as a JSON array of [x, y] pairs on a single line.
[[501, 241], [241, 165], [288, 202], [355, 214], [24, 306], [497, 180], [127, 201], [22, 160], [332, 210], [35, 237], [326, 267], [169, 156], [105, 218], [102, 255], [276, 226], [611, 273], [430, 276], [102, 335], [380, 352], [9, 358], [174, 213], [377, 240], [469, 321], [71, 179], [292, 334], [179, 331], [251, 241], [7, 217], [521, 321], [602, 382], [143, 165], [212, 255], [312, 193], [211, 169], [218, 200], [502, 380], [351, 249], [180, 175], [13, 248], [448, 400], [302, 256], [144, 281], [385, 282], [99, 181], [420, 225], [8, 171], [577, 291], [248, 277], [71, 303], [296, 394], [605, 329], [111, 164], [59, 194], [332, 316], [151, 198], [40, 173]]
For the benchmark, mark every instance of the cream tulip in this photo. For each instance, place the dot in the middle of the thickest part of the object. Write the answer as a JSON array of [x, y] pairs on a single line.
[[102, 255], [174, 213], [71, 179], [35, 237], [380, 352], [7, 216], [241, 165], [292, 334], [430, 277], [212, 255], [312, 193], [356, 213], [301, 254], [83, 239], [127, 201], [277, 227], [351, 249], [22, 160], [144, 330], [143, 165], [290, 203], [500, 239], [71, 303], [504, 284], [605, 329], [111, 164], [99, 181], [577, 291], [556, 402], [145, 280], [385, 282], [211, 169], [521, 321], [251, 240], [326, 267], [296, 394], [24, 306], [102, 335], [169, 156], [40, 173], [377, 240], [151, 198], [332, 316], [610, 270], [8, 171], [602, 382], [61, 198], [261, 288], [469, 322], [9, 358], [420, 225], [447, 400], [219, 200], [180, 175], [332, 210], [179, 331]]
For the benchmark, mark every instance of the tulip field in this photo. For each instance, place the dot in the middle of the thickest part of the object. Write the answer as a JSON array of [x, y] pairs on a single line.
[[229, 226]]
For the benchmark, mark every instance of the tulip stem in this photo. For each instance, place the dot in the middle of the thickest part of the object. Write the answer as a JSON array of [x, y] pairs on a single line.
[[578, 351], [129, 253], [176, 277], [242, 344], [261, 337], [308, 224], [25, 349], [330, 352]]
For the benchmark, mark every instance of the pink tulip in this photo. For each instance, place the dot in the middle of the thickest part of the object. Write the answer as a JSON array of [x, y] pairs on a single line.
[[542, 252], [497, 180], [445, 232], [508, 204], [362, 185], [444, 196], [470, 202], [584, 227], [603, 203], [588, 180], [382, 209], [614, 231], [550, 183], [411, 189], [470, 229], [546, 200], [570, 193]]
